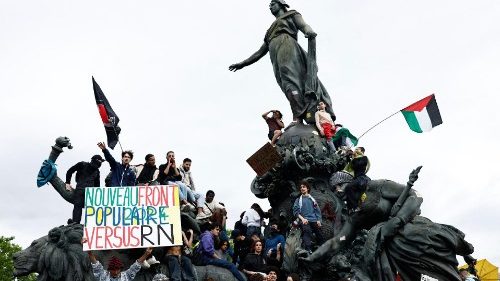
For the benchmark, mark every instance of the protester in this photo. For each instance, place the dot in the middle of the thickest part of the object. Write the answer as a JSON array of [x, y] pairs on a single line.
[[208, 208], [223, 250], [354, 190], [306, 209], [274, 245], [169, 174], [147, 172], [275, 125], [208, 254], [187, 240], [187, 179], [252, 219], [238, 225], [325, 124], [272, 273], [121, 173], [87, 175], [179, 266], [114, 272], [466, 276], [255, 261]]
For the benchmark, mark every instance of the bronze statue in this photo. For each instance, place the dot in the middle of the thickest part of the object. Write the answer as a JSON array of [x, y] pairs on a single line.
[[294, 69]]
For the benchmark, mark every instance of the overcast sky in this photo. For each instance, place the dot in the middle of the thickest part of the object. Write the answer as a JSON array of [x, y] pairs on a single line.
[[163, 66]]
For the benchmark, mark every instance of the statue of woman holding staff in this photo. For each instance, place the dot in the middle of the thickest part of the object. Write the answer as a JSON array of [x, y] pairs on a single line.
[[294, 69]]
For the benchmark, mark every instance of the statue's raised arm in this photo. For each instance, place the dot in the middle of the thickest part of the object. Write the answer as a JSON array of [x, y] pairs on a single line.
[[290, 62]]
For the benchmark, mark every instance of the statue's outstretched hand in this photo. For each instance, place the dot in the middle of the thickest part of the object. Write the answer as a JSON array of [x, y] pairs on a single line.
[[235, 67], [414, 176], [63, 142]]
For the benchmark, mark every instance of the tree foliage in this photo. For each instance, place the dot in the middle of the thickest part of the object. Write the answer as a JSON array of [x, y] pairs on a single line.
[[7, 250]]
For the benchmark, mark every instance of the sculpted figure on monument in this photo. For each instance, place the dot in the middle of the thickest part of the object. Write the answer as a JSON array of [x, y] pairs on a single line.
[[294, 69]]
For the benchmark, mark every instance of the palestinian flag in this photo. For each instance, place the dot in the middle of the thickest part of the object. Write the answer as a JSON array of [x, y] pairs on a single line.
[[108, 116], [423, 115]]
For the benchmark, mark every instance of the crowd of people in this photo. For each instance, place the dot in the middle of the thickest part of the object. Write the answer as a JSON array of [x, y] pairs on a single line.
[[254, 247]]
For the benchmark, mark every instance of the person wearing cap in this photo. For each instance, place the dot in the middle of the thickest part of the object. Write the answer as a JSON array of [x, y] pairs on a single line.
[[87, 175], [114, 272], [290, 62]]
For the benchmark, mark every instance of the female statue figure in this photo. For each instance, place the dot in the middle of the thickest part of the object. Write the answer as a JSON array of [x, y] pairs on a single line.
[[291, 64]]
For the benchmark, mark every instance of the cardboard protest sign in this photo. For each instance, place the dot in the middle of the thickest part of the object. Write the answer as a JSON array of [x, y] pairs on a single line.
[[264, 159], [132, 217]]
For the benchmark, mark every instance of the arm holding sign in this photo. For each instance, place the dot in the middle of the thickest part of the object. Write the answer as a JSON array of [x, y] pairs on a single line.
[[134, 268]]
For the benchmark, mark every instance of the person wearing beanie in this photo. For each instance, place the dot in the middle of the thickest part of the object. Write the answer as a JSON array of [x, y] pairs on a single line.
[[87, 175], [114, 272]]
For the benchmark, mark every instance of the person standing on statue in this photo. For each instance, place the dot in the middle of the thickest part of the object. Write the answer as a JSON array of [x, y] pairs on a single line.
[[87, 175], [325, 124], [307, 210], [290, 62]]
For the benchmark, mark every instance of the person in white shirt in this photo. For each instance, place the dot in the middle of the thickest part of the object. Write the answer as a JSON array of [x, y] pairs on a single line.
[[208, 207], [252, 219]]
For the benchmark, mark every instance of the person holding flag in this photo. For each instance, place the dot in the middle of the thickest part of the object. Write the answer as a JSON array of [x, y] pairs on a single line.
[[121, 173]]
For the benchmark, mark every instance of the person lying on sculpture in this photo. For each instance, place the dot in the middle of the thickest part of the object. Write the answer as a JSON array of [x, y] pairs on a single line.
[[377, 204], [289, 60], [114, 272]]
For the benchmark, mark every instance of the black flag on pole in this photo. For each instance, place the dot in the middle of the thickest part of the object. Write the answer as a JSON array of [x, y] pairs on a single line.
[[108, 116]]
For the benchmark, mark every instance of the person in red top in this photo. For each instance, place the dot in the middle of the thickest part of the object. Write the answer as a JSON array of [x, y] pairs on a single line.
[[275, 125]]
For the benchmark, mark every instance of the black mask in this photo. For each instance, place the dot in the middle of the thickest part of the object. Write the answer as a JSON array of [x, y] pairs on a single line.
[[95, 163]]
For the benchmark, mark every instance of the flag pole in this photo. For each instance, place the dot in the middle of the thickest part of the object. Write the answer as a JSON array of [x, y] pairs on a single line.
[[380, 122]]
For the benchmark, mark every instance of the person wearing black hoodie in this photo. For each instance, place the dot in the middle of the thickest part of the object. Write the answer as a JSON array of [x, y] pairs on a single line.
[[87, 175], [147, 172]]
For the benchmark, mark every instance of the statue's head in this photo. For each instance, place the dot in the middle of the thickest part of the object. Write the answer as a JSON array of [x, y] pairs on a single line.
[[63, 255], [26, 261], [277, 5]]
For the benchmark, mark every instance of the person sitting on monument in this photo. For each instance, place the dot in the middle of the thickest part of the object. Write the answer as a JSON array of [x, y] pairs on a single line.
[[147, 172], [179, 266], [169, 174], [121, 173], [308, 213], [275, 125], [87, 175], [242, 245], [224, 250], [274, 245], [208, 254], [209, 207], [114, 272], [252, 219], [255, 261], [187, 178], [325, 124]]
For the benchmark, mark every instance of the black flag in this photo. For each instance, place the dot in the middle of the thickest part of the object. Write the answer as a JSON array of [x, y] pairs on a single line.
[[108, 116]]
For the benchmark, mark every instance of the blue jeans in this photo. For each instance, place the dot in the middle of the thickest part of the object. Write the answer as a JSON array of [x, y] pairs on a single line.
[[225, 264], [253, 229], [180, 268]]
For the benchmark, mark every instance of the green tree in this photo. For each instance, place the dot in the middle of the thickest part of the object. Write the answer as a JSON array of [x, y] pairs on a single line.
[[7, 249]]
